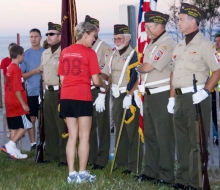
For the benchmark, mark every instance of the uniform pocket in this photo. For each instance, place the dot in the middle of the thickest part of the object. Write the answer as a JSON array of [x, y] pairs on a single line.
[[193, 61]]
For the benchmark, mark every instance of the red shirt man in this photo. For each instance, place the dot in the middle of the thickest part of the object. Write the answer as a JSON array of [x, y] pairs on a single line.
[[6, 61], [4, 64]]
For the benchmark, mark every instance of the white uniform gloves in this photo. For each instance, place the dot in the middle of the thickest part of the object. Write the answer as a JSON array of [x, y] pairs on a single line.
[[137, 99], [100, 103], [199, 96], [127, 101], [171, 104]]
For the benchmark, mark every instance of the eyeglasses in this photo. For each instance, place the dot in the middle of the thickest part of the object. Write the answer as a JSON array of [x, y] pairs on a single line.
[[117, 39], [51, 34]]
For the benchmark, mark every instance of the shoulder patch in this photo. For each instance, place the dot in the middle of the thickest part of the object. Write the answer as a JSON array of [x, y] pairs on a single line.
[[158, 55], [217, 57]]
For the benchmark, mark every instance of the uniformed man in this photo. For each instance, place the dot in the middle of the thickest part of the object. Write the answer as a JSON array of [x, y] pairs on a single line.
[[193, 55], [158, 125], [99, 154], [54, 126], [213, 93], [121, 67]]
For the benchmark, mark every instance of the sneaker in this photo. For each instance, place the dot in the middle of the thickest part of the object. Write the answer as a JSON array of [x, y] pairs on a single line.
[[86, 177], [72, 178], [33, 147], [21, 156], [10, 150], [215, 140]]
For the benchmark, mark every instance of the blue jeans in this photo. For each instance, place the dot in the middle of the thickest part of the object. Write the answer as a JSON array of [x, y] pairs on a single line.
[[214, 130]]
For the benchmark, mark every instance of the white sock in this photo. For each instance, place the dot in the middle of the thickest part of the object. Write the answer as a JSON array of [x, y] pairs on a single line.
[[11, 143], [82, 172], [72, 173], [33, 143]]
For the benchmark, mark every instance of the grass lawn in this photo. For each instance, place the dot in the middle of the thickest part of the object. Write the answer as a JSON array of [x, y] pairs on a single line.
[[27, 175]]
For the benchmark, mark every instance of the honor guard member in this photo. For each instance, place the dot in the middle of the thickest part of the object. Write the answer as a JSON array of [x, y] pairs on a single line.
[[121, 67], [213, 94], [55, 149], [193, 55], [99, 154], [155, 85]]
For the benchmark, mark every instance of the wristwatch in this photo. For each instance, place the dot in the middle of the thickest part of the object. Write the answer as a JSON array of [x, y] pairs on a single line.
[[207, 91]]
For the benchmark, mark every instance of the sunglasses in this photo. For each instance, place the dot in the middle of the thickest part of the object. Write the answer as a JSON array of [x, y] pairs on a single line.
[[51, 34]]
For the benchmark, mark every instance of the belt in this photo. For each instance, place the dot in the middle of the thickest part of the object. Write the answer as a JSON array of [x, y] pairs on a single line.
[[122, 89], [150, 91], [157, 82], [185, 90], [52, 88]]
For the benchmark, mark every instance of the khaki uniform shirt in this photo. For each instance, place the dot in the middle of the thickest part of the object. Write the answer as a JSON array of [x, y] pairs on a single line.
[[117, 65], [198, 57], [103, 52], [49, 66], [159, 54]]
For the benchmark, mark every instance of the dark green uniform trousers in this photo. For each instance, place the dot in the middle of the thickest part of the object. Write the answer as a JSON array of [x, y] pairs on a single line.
[[54, 127], [99, 152], [159, 137], [187, 138], [128, 147]]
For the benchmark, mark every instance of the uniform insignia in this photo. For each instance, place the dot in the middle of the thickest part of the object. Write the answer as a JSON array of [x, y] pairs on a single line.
[[102, 66], [164, 47], [56, 61], [106, 55], [124, 59], [158, 55], [217, 57], [174, 58]]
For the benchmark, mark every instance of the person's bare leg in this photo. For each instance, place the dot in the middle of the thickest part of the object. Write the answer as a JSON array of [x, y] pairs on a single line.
[[72, 125], [8, 130], [84, 133], [18, 134], [12, 133], [31, 131]]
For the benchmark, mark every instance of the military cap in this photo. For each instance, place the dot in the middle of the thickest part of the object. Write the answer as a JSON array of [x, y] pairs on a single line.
[[92, 21], [121, 29], [192, 11], [53, 26], [156, 17]]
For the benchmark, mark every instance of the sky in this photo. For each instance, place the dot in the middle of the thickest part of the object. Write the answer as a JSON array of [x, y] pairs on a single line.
[[19, 16]]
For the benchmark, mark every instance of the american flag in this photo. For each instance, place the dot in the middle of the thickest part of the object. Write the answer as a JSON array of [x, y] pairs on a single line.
[[143, 41]]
